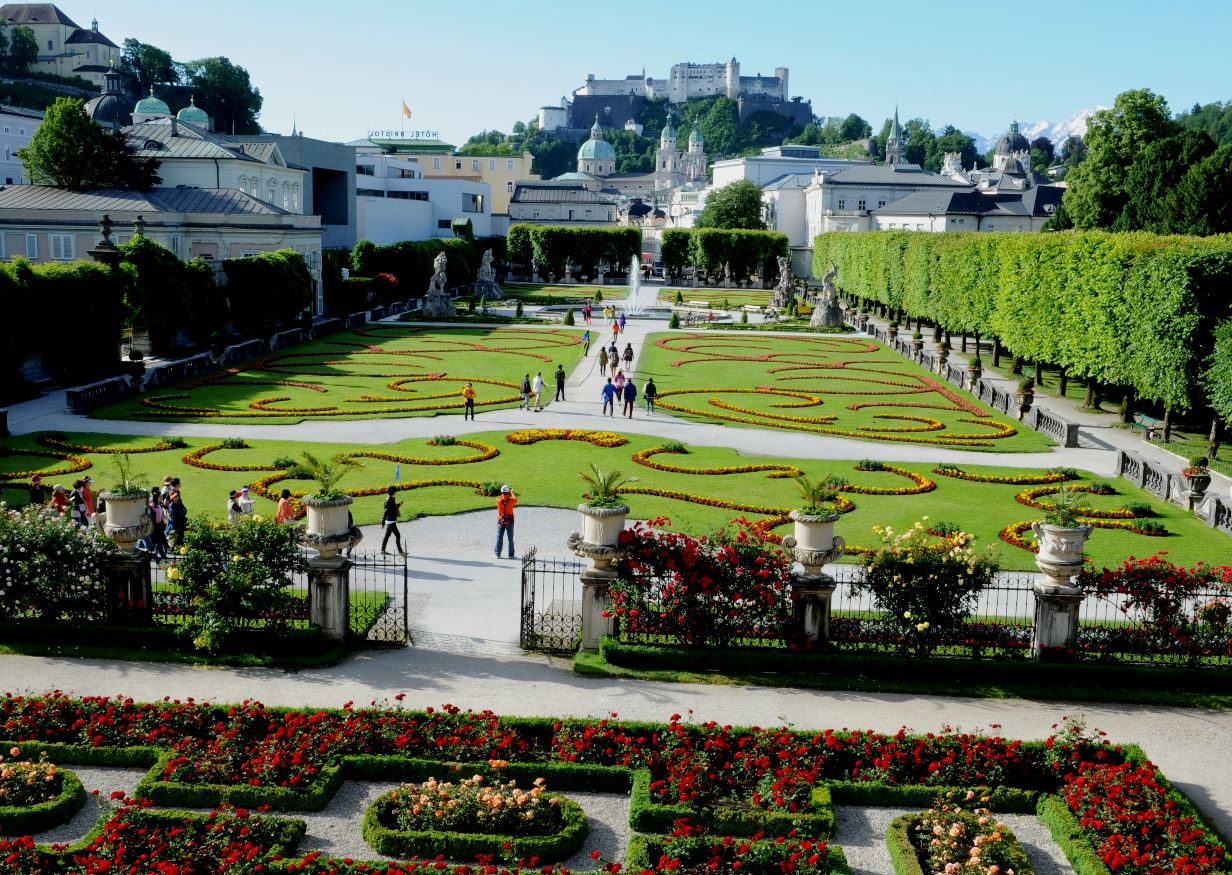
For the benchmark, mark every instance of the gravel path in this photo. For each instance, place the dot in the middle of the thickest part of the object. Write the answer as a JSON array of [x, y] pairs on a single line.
[[105, 780]]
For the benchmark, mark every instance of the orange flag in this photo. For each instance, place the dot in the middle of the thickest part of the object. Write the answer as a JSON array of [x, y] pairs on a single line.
[[406, 110]]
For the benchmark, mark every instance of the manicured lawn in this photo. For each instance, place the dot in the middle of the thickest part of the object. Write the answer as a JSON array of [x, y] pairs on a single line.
[[719, 299], [380, 370], [825, 384], [544, 474], [577, 291]]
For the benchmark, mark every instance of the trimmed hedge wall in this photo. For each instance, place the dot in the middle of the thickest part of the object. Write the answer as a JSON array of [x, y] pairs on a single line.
[[708, 249], [411, 262], [267, 288], [30, 819], [551, 245], [1127, 309], [468, 845]]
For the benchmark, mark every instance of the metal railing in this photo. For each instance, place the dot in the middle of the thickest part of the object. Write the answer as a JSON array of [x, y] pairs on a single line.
[[551, 603]]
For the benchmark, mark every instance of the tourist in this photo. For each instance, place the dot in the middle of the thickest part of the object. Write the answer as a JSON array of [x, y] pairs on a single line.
[[389, 519], [78, 509], [59, 499], [650, 391], [560, 382], [586, 341], [87, 493], [619, 382], [245, 501], [628, 356], [177, 517], [524, 393], [234, 511], [536, 389], [468, 402], [587, 311], [38, 495], [622, 321], [630, 395], [286, 512], [156, 542], [613, 357], [615, 332], [602, 360], [609, 398], [165, 492], [505, 504]]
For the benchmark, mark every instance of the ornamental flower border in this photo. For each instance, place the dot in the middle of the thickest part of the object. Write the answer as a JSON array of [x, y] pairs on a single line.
[[785, 781]]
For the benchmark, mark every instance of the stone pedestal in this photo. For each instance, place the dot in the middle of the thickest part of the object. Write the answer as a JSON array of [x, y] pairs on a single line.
[[596, 620], [602, 528], [1057, 596], [130, 597], [813, 545], [329, 596]]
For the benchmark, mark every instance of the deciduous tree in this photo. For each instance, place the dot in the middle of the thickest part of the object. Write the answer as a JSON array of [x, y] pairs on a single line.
[[734, 206], [225, 91], [68, 150], [143, 65]]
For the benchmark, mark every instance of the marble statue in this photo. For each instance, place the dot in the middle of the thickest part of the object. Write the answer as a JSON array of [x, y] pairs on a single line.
[[828, 312], [486, 288], [438, 303]]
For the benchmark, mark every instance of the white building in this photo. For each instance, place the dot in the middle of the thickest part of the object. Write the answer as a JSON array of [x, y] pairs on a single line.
[[775, 161], [17, 126], [65, 48], [553, 117], [395, 201], [688, 81], [970, 210], [563, 202]]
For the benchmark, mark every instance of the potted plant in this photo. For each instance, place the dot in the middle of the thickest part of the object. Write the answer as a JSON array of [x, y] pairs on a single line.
[[126, 519], [892, 331], [815, 518], [603, 513], [1061, 534], [975, 368], [1197, 475], [917, 341], [943, 351], [329, 526], [1026, 395]]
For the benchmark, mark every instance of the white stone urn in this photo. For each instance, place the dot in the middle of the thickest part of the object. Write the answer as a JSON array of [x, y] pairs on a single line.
[[602, 525], [329, 529], [126, 519], [814, 543], [1060, 546]]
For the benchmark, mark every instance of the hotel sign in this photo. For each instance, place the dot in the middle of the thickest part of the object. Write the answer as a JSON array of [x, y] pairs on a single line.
[[403, 135]]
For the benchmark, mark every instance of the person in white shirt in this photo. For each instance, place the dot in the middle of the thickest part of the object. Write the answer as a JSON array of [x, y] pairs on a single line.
[[245, 501], [536, 389], [233, 507]]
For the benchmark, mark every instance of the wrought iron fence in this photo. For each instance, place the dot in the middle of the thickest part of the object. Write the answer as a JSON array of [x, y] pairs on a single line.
[[551, 603], [1195, 629], [170, 605], [379, 603]]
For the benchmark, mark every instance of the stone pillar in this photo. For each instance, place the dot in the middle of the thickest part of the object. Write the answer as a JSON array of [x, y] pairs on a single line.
[[329, 596], [130, 597], [598, 542], [813, 545], [1057, 596], [596, 621]]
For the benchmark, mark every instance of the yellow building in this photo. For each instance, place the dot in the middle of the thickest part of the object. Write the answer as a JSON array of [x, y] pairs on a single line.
[[501, 172], [64, 48]]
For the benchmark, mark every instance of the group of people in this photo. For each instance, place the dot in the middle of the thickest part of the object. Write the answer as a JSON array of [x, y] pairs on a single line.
[[79, 504], [623, 388]]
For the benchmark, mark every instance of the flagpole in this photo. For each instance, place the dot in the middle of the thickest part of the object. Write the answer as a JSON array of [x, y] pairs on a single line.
[[402, 119]]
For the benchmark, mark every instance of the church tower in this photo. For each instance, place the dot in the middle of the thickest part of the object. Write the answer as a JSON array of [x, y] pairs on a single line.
[[668, 168], [695, 159], [894, 143]]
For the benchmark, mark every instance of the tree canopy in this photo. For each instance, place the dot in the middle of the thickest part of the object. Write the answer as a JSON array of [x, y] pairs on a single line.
[[734, 207], [225, 91], [68, 150], [144, 66]]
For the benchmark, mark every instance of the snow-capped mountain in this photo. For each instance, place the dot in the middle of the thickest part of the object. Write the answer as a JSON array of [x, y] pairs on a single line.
[[1076, 124]]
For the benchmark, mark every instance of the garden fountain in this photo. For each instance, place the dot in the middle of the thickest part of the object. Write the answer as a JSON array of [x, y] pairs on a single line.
[[631, 305]]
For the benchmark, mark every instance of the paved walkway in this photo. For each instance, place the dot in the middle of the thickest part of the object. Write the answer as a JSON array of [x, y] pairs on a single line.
[[463, 610]]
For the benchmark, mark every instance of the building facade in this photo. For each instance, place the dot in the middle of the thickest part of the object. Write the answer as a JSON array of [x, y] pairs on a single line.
[[65, 48], [17, 126], [563, 202], [396, 200]]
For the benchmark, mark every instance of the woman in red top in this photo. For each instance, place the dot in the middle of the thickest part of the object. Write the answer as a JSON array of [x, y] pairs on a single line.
[[504, 518], [286, 512], [59, 499]]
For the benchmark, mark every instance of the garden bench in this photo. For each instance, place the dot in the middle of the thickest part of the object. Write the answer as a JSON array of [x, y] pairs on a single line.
[[1149, 425], [697, 303]]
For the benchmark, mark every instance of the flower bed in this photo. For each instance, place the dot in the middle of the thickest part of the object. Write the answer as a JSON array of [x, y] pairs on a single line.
[[949, 839], [35, 796], [598, 438], [470, 818], [687, 853]]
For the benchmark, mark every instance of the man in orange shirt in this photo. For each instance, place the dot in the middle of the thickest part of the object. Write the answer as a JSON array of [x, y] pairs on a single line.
[[468, 402], [505, 504]]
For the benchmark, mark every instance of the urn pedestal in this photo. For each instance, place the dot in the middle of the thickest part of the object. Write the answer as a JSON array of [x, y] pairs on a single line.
[[1057, 597], [329, 528], [126, 520], [1196, 486], [599, 542], [813, 545]]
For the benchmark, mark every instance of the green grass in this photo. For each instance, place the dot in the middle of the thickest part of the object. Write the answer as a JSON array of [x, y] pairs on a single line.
[[735, 298], [414, 371], [827, 374], [565, 293], [544, 474]]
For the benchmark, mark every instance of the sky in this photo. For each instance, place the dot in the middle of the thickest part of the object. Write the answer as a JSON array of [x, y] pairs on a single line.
[[340, 69]]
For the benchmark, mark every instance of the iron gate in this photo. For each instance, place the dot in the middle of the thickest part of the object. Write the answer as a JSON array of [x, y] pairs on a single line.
[[551, 604], [380, 607]]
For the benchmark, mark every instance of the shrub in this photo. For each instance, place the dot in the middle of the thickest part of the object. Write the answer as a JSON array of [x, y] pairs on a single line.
[[473, 806], [489, 487], [234, 444], [284, 462], [949, 838], [444, 440], [925, 585], [568, 318], [50, 566], [327, 473], [679, 297], [237, 577], [25, 782], [674, 322]]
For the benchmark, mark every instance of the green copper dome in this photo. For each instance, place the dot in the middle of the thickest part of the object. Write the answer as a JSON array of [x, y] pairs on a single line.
[[193, 114], [597, 150], [669, 130], [151, 105], [696, 135]]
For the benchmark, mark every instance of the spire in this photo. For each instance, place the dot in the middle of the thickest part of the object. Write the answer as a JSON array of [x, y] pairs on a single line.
[[595, 131], [293, 131], [894, 142]]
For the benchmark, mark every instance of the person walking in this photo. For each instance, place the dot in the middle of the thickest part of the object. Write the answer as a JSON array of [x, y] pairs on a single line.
[[77, 505], [245, 501], [602, 359], [613, 357], [59, 499], [609, 397], [505, 503], [468, 402], [87, 493], [586, 341], [524, 392], [177, 517], [234, 512], [619, 382], [389, 519], [286, 512], [560, 382], [650, 392], [630, 395], [587, 311], [38, 494], [157, 542], [615, 331], [628, 356], [536, 389], [622, 321]]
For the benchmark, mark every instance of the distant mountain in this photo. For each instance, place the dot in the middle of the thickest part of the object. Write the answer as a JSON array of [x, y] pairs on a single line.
[[1059, 132], [982, 143]]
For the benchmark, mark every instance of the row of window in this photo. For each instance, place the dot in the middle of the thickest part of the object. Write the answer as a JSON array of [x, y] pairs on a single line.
[[861, 204], [475, 164], [290, 191], [572, 215]]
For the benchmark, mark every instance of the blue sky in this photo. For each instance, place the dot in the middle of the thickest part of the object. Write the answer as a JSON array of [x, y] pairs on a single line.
[[465, 66]]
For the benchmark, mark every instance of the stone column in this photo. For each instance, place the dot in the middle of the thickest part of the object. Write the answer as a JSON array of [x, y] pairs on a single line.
[[130, 597], [814, 589], [329, 582], [1057, 596], [602, 527]]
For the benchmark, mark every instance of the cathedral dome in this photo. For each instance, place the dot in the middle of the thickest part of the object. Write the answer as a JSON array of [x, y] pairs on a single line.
[[1012, 142], [111, 108], [596, 148], [193, 114], [695, 138], [151, 105]]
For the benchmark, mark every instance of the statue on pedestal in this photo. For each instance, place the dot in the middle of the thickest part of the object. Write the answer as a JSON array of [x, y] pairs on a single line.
[[486, 288], [828, 312], [784, 291], [438, 303], [568, 270], [534, 271], [727, 275]]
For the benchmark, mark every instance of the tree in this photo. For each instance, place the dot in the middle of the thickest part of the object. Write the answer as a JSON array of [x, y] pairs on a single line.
[[1213, 118], [1201, 202], [225, 91], [951, 139], [1218, 375], [1115, 137], [1154, 174], [68, 150], [734, 206], [22, 51], [853, 128], [1042, 153], [143, 66]]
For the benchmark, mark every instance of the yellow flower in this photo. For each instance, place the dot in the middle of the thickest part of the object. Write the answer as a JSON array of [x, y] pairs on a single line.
[[920, 627], [235, 557], [183, 551]]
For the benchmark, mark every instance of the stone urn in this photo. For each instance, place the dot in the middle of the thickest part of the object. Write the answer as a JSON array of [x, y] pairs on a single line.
[[814, 542], [892, 333], [601, 526], [599, 541], [943, 354], [126, 520], [329, 529], [1197, 481], [1060, 547], [974, 372], [917, 345]]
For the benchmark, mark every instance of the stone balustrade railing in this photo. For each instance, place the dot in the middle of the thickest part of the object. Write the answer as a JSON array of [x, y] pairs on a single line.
[[286, 338], [83, 399], [238, 352], [1170, 486], [1050, 424], [354, 320], [326, 326], [167, 373]]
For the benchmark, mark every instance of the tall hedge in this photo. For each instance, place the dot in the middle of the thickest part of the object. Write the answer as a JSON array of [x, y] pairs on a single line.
[[411, 262], [167, 296], [709, 249], [267, 288], [551, 245], [1128, 309]]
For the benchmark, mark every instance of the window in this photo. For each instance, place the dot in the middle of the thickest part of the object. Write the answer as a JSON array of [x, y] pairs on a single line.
[[457, 164], [509, 165], [6, 129], [842, 204], [49, 45], [32, 246], [475, 164], [609, 215], [491, 163], [509, 187], [436, 163], [369, 192], [443, 224], [365, 170], [880, 204], [175, 246], [409, 195], [61, 246], [4, 252], [860, 204], [536, 215]]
